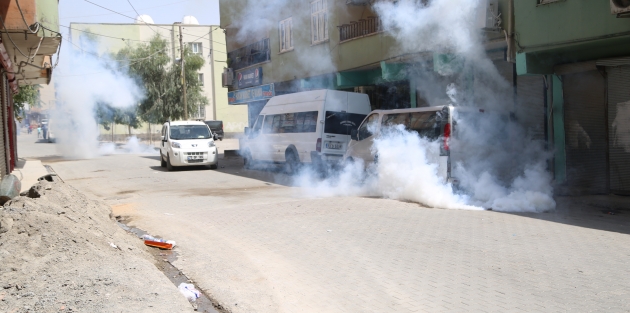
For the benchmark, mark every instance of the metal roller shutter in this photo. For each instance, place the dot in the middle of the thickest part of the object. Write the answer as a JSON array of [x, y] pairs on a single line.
[[585, 132], [619, 128], [530, 105], [5, 101]]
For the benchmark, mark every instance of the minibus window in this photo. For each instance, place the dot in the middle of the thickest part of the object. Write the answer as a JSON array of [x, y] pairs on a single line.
[[302, 122], [342, 123], [426, 124]]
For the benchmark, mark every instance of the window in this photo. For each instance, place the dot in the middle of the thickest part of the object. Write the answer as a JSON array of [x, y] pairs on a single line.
[[257, 126], [547, 1], [342, 123], [319, 21], [196, 47], [302, 122], [286, 35], [426, 124], [200, 79], [366, 128]]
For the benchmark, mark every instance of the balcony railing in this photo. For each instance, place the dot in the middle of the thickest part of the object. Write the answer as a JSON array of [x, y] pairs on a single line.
[[255, 53], [363, 27]]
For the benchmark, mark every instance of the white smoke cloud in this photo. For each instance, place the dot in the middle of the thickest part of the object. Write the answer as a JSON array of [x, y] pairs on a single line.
[[497, 164], [81, 80]]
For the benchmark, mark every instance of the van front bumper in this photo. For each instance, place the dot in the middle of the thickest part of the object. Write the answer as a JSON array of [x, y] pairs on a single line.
[[190, 157]]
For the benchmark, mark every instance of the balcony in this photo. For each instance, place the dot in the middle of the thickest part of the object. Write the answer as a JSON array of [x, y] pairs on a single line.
[[363, 27], [30, 36], [249, 55]]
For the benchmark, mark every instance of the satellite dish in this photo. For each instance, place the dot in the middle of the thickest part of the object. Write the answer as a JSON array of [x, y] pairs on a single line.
[[144, 19], [190, 20]]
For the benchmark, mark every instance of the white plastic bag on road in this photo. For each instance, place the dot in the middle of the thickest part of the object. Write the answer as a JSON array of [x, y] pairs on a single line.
[[189, 291]]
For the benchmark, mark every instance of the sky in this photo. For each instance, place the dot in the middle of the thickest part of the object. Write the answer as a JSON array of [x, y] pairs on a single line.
[[162, 11]]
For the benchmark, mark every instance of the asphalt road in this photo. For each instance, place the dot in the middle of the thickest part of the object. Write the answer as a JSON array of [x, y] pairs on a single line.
[[256, 244]]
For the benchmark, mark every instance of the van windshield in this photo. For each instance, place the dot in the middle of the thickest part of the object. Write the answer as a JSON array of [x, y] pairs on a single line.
[[342, 123], [180, 132]]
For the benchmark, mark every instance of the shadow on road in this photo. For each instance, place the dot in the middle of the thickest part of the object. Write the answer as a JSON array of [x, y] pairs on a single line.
[[607, 213]]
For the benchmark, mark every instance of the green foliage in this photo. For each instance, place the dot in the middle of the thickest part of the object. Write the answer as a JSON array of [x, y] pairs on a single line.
[[107, 114], [28, 94], [151, 65]]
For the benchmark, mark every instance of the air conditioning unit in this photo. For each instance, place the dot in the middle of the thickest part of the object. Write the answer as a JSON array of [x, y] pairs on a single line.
[[227, 78], [620, 7], [488, 14]]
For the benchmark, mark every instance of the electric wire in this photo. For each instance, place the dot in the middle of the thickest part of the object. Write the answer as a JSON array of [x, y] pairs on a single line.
[[157, 6], [11, 39], [127, 16], [24, 19]]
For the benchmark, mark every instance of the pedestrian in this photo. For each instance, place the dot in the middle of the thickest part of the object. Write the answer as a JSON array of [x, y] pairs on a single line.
[[39, 131], [30, 129]]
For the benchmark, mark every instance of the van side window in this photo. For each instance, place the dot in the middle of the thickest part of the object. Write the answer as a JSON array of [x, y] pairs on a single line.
[[302, 122], [164, 131], [426, 124], [365, 129]]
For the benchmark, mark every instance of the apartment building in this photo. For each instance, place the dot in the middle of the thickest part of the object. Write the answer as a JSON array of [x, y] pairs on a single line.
[[293, 46]]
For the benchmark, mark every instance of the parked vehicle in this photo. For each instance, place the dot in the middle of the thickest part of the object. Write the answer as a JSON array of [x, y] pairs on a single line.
[[217, 128], [434, 123], [188, 143], [305, 127]]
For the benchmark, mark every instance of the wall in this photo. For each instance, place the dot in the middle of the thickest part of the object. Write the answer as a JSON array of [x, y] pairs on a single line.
[[564, 21]]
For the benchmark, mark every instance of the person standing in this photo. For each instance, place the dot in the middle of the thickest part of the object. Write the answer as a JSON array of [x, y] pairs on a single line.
[[39, 131]]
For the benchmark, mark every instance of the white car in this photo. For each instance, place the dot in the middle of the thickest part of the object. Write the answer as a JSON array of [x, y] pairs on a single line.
[[188, 143]]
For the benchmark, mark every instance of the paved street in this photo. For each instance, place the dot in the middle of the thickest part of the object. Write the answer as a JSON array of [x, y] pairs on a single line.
[[257, 245]]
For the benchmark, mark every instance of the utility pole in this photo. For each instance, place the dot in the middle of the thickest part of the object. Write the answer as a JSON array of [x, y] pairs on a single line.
[[181, 48]]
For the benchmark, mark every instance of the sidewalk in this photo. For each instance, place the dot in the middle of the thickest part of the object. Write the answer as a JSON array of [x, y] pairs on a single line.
[[28, 171]]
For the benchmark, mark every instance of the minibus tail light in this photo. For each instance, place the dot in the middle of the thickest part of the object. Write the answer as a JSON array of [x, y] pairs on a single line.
[[447, 136], [318, 147]]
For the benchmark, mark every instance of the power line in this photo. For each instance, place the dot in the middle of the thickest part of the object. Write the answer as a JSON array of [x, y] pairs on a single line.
[[129, 39], [127, 16], [157, 6]]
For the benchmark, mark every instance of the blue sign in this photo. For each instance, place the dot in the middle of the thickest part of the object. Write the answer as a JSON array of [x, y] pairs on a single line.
[[259, 93], [249, 78]]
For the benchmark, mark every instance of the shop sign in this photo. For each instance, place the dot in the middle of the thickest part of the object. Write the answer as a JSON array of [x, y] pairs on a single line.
[[249, 78], [259, 93]]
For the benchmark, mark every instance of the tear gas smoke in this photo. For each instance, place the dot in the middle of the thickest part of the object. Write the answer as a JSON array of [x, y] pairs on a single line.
[[500, 165], [81, 81], [132, 146]]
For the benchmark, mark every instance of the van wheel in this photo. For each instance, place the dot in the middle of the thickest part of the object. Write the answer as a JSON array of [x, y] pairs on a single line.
[[292, 162], [214, 166], [162, 162], [247, 160], [169, 166]]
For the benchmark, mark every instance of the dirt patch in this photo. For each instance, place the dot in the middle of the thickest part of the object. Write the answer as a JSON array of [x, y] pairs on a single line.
[[63, 252], [126, 209], [124, 192], [214, 192]]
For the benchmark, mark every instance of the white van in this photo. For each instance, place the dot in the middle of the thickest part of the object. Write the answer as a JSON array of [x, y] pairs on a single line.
[[187, 143], [433, 123], [305, 127]]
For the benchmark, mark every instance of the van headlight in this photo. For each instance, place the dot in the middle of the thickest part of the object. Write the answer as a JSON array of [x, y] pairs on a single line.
[[175, 144], [210, 144]]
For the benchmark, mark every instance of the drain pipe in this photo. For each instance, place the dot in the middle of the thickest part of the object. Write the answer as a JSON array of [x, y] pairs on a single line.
[[511, 52]]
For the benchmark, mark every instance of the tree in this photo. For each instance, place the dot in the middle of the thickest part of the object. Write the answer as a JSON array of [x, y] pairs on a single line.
[[151, 66], [28, 94], [106, 115]]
